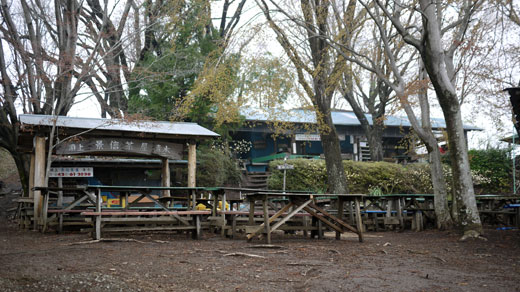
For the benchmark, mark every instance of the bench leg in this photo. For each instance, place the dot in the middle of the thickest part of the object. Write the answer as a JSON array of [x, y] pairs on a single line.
[[233, 226], [197, 231]]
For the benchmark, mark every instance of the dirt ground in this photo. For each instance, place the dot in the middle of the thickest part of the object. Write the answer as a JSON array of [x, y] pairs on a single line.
[[386, 261]]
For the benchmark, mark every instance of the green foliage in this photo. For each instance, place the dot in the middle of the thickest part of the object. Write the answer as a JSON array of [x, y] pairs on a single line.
[[363, 177], [165, 74], [216, 168], [491, 170]]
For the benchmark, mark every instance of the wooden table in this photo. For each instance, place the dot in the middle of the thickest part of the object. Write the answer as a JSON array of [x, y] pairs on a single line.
[[497, 207], [303, 202], [397, 206], [93, 193]]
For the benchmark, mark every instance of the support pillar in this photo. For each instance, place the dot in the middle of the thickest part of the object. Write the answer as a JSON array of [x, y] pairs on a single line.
[[39, 176], [165, 175], [192, 163], [31, 178]]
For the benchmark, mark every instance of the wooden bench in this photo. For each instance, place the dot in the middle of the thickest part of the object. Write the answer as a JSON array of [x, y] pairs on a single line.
[[142, 218]]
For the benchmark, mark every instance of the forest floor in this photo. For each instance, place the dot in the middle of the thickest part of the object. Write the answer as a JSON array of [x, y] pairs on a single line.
[[386, 261]]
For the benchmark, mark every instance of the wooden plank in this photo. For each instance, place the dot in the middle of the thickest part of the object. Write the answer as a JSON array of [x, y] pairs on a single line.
[[250, 229], [146, 228], [144, 213], [337, 220], [140, 220], [271, 220], [322, 219], [291, 214]]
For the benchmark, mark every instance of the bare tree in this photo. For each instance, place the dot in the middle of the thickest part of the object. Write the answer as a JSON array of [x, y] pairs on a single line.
[[318, 70], [437, 43], [393, 71], [350, 31], [39, 74]]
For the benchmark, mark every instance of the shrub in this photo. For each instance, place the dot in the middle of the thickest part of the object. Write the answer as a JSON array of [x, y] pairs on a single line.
[[216, 168], [491, 170], [362, 177]]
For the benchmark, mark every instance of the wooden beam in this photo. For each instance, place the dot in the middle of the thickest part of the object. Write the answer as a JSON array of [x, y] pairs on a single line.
[[339, 221], [39, 177], [290, 215], [192, 163], [322, 219]]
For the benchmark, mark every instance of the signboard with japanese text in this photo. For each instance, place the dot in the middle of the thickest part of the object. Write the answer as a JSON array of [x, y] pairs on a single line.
[[121, 146], [285, 166], [71, 172], [314, 137]]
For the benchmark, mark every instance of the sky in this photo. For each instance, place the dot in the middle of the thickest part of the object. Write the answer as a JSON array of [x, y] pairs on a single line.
[[490, 136]]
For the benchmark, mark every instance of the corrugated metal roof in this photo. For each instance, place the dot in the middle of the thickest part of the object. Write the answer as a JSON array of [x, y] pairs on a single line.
[[167, 128], [344, 118]]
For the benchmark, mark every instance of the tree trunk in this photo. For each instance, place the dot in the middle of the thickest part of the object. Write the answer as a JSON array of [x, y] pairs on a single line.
[[337, 181], [437, 64], [22, 164], [442, 210], [375, 141], [463, 191]]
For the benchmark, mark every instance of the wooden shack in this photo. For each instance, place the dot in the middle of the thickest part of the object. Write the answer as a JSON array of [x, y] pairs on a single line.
[[95, 137]]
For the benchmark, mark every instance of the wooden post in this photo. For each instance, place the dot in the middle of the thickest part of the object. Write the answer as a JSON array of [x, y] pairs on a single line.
[[359, 220], [97, 235], [340, 214], [222, 211], [197, 231], [31, 178], [266, 220], [39, 176], [60, 204], [192, 163], [165, 176], [251, 211], [400, 213]]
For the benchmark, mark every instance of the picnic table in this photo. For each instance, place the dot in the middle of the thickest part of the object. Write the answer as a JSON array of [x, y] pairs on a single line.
[[302, 202], [396, 209], [93, 193], [504, 209]]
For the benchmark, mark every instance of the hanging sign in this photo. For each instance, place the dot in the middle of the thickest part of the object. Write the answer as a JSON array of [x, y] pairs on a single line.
[[121, 146], [285, 166], [71, 172]]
